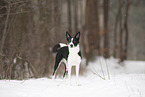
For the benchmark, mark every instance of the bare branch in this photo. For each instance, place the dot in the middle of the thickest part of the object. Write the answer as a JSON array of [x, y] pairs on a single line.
[[107, 69], [5, 28], [1, 7], [20, 12], [96, 73]]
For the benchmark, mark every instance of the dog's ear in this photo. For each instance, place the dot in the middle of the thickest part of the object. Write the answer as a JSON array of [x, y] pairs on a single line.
[[68, 37], [77, 36]]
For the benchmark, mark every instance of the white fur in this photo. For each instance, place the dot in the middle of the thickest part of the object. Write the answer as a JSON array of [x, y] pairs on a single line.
[[74, 60], [62, 44], [73, 57]]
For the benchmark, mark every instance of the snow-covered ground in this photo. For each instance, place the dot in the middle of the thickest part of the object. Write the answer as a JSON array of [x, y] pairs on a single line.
[[125, 81]]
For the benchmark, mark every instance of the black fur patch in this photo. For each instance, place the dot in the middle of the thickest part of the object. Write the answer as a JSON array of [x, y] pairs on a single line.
[[61, 53], [64, 51], [76, 39], [79, 53], [56, 48]]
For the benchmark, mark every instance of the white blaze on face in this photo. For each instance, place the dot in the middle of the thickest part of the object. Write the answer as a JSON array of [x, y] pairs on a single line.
[[71, 45]]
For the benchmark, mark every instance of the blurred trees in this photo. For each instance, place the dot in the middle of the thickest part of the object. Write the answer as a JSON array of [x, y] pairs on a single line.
[[96, 28], [30, 28], [91, 29], [106, 29], [121, 27], [26, 46]]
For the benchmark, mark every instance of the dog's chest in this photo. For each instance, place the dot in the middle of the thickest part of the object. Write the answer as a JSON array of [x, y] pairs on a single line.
[[73, 57]]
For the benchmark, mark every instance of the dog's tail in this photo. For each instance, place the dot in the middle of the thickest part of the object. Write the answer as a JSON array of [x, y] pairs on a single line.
[[57, 47]]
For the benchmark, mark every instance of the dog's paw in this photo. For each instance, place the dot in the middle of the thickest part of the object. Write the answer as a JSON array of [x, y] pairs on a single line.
[[52, 77]]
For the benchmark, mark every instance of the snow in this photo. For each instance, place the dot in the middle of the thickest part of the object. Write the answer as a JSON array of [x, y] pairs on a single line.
[[127, 80], [15, 60]]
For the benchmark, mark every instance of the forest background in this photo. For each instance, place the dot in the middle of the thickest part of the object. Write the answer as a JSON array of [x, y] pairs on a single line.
[[30, 28]]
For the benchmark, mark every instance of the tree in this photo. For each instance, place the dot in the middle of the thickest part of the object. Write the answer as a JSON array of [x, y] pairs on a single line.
[[92, 28], [69, 17], [124, 55], [121, 31], [106, 29]]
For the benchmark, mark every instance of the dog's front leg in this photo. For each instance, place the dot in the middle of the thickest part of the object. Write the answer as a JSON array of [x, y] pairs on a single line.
[[69, 74], [77, 75]]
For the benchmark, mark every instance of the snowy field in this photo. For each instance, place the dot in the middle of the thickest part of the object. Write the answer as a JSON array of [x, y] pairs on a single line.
[[125, 81]]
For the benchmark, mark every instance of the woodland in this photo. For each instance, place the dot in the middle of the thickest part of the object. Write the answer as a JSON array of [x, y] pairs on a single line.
[[30, 28]]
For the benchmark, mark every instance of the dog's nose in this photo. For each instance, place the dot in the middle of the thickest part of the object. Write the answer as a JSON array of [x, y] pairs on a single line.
[[71, 45]]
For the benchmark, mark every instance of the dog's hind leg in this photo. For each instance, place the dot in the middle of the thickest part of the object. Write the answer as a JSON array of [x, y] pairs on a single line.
[[66, 71], [57, 63], [66, 68]]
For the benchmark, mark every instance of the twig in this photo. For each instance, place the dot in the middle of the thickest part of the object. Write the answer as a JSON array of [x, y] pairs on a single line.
[[107, 69], [5, 29], [15, 3], [102, 68], [23, 81], [19, 56], [16, 13], [3, 55], [33, 68], [97, 74], [3, 7]]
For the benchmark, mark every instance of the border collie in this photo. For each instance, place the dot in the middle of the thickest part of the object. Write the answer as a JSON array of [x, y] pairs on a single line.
[[69, 54]]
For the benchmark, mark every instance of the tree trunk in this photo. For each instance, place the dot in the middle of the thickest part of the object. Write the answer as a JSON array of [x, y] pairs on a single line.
[[5, 28], [76, 16], [92, 28], [118, 32], [124, 56], [120, 29], [69, 17], [106, 30]]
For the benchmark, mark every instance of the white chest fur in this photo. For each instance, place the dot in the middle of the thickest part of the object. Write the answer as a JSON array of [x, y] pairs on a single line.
[[73, 57]]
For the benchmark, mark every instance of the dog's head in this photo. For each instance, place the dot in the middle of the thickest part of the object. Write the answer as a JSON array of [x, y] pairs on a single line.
[[73, 42]]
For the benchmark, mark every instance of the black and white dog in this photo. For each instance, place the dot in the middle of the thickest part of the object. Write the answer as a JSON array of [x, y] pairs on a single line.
[[69, 54]]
